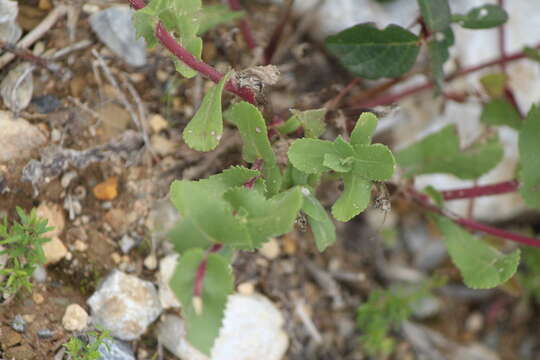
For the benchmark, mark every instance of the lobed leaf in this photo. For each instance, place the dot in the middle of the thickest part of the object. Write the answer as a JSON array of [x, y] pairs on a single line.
[[500, 112], [482, 17], [307, 155], [364, 129], [206, 128], [373, 162], [481, 265], [436, 14], [372, 53], [440, 153], [256, 145], [354, 199], [529, 150], [203, 328]]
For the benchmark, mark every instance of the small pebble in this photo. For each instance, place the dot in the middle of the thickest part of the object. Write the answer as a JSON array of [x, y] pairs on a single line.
[[107, 190], [75, 318], [270, 249], [150, 262], [38, 298], [18, 324], [44, 333], [246, 288], [80, 245], [40, 274], [126, 243]]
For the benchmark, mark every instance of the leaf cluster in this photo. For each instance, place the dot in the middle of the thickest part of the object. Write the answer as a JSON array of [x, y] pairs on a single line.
[[23, 246], [86, 347]]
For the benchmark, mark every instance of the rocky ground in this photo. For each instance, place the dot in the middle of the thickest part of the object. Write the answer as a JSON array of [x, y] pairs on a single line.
[[92, 138]]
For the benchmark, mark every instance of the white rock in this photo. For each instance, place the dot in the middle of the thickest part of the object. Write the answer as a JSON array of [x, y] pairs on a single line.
[[8, 10], [252, 329], [150, 262], [54, 250], [3, 261], [270, 249], [17, 87], [17, 137], [75, 318], [125, 305], [114, 28], [10, 32], [166, 271], [54, 215]]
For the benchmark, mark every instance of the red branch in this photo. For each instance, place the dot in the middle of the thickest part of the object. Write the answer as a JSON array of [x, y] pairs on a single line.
[[387, 99], [244, 25], [187, 58], [481, 190], [424, 201]]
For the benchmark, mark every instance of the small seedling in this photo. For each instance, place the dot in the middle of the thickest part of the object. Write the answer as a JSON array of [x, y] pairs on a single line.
[[86, 347], [22, 243]]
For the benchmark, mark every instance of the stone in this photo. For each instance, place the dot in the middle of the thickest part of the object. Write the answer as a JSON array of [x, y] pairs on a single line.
[[17, 87], [125, 305], [38, 298], [162, 145], [8, 10], [40, 274], [54, 250], [114, 28], [113, 349], [426, 307], [18, 324], [150, 262], [252, 329], [162, 218], [46, 104], [270, 249], [18, 138], [3, 261], [10, 32], [55, 217], [158, 123], [107, 190], [166, 271], [127, 243], [45, 333], [75, 318]]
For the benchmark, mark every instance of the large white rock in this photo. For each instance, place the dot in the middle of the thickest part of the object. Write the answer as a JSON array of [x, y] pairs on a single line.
[[252, 329], [166, 271], [125, 305]]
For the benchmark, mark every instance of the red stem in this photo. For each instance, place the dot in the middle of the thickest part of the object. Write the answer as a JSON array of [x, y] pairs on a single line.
[[186, 57], [271, 48], [244, 25], [481, 190], [201, 271], [387, 99], [426, 203]]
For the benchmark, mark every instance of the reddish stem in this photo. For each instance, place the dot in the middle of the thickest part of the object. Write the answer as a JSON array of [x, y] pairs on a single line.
[[481, 190], [271, 48], [257, 165], [187, 58], [426, 203], [387, 99], [201, 271], [244, 25]]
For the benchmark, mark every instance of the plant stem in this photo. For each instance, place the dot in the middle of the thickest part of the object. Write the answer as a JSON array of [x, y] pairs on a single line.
[[481, 190], [424, 201], [387, 99], [187, 58], [244, 25]]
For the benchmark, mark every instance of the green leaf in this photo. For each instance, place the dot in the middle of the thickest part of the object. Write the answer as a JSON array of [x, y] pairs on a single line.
[[194, 46], [214, 15], [203, 328], [435, 195], [206, 217], [440, 153], [532, 53], [206, 128], [438, 46], [529, 151], [256, 145], [372, 53], [494, 84], [324, 230], [307, 155], [312, 121], [500, 112], [354, 199], [265, 218], [436, 14], [145, 21], [338, 163], [291, 125], [482, 17], [373, 162], [481, 265], [364, 129]]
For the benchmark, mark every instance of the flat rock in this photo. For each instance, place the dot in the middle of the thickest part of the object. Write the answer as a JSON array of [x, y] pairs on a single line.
[[114, 28], [252, 329], [113, 349], [54, 250], [18, 137], [125, 305]]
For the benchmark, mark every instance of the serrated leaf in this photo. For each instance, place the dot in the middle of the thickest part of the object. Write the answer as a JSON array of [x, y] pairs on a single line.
[[354, 199], [256, 145], [482, 17], [373, 162], [500, 112], [440, 153], [206, 128], [144, 21], [529, 159], [494, 84], [312, 121], [338, 163], [438, 46], [364, 129], [202, 329], [481, 265], [214, 15], [372, 53], [207, 218], [307, 155], [436, 14], [266, 217]]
